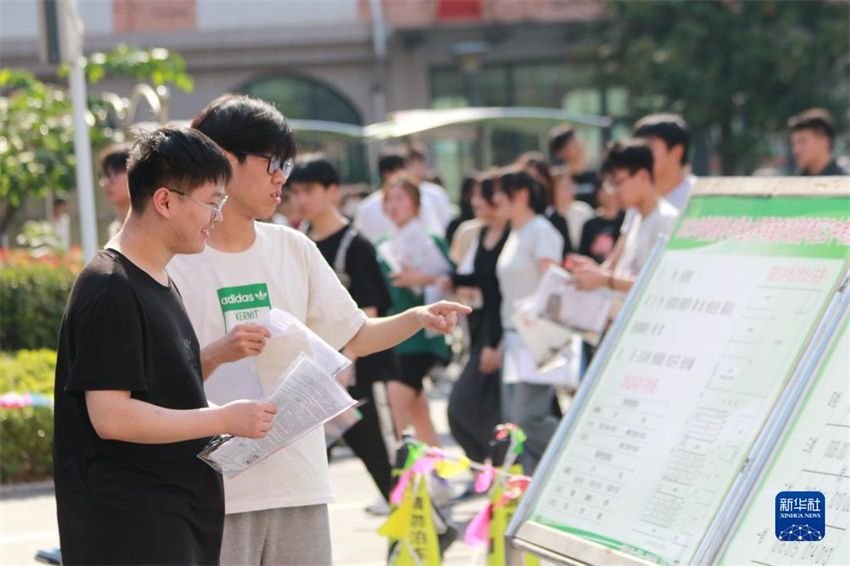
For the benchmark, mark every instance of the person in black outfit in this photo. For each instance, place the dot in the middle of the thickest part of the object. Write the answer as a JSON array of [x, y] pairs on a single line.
[[565, 145], [314, 189], [812, 134], [466, 212], [601, 232], [130, 411], [474, 405]]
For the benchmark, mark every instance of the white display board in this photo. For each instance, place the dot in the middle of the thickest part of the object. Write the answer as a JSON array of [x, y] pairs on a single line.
[[652, 446], [813, 455]]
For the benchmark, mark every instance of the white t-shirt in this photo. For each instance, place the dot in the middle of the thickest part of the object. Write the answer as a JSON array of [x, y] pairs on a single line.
[[642, 235], [577, 216], [679, 196], [518, 268], [434, 212], [282, 269], [442, 205]]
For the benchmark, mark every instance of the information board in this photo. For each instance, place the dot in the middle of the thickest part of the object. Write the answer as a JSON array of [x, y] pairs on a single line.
[[644, 461], [813, 455]]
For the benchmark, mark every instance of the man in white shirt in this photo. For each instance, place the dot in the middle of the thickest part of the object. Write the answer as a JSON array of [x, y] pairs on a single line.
[[417, 167], [628, 168], [276, 511], [669, 138], [370, 220]]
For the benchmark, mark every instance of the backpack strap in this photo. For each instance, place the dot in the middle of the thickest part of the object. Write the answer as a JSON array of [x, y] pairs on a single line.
[[341, 253]]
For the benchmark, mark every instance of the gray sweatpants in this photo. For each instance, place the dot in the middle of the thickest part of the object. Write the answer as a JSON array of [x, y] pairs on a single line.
[[290, 535], [530, 406]]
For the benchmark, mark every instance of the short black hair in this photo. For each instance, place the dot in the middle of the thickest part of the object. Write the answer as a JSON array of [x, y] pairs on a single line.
[[315, 169], [670, 128], [818, 120], [559, 137], [113, 159], [632, 154], [389, 161], [512, 181], [174, 158], [241, 125]]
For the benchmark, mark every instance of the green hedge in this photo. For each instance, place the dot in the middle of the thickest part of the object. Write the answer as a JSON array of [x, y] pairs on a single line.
[[26, 434], [32, 299]]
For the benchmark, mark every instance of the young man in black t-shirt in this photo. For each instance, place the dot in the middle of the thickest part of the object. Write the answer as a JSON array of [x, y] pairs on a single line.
[[130, 410], [314, 189], [812, 133], [564, 145]]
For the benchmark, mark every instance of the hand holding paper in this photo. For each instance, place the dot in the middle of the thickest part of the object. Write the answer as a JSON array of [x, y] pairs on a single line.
[[250, 419], [242, 341], [587, 275], [306, 398]]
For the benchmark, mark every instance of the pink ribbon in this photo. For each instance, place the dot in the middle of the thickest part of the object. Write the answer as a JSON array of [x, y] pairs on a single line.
[[515, 487], [479, 527], [398, 491], [484, 479]]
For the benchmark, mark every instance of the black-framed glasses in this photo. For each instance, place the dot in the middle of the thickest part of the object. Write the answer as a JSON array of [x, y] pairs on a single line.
[[214, 210], [276, 163]]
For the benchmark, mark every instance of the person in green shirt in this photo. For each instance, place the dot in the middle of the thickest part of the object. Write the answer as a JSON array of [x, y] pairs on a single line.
[[407, 284]]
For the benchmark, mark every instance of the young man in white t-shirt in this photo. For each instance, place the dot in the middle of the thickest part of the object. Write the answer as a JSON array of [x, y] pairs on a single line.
[[276, 512], [415, 160], [669, 138], [628, 169], [371, 221]]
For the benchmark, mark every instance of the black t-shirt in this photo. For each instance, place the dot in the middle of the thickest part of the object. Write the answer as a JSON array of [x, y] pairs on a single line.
[[586, 187], [599, 235], [367, 288], [485, 325], [832, 168], [122, 502]]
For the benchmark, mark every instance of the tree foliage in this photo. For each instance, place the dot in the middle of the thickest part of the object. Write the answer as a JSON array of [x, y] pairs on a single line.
[[37, 134], [735, 69]]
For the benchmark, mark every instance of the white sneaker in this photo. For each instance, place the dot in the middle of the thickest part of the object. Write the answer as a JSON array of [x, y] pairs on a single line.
[[379, 507]]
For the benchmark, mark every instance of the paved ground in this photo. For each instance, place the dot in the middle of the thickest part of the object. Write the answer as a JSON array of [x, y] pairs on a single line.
[[28, 521]]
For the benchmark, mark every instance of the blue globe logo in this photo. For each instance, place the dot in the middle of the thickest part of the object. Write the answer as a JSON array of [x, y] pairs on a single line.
[[797, 533]]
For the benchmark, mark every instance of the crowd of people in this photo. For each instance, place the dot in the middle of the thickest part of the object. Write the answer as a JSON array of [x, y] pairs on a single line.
[[147, 329]]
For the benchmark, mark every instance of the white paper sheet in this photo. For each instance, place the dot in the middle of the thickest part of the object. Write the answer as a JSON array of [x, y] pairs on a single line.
[[306, 398], [413, 246], [559, 300]]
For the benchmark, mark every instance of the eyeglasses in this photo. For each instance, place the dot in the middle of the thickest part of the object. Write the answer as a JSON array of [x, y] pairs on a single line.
[[276, 163], [214, 210]]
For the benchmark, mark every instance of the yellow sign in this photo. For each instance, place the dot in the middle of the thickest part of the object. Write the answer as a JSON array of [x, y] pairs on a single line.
[[501, 516], [420, 546]]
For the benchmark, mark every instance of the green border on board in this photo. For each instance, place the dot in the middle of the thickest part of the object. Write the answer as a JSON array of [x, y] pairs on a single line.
[[761, 208]]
